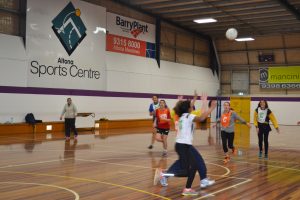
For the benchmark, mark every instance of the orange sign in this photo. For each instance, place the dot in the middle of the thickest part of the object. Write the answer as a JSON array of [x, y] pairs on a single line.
[[120, 44]]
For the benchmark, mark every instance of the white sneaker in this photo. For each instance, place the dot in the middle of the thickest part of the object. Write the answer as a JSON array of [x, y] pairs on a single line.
[[206, 182], [163, 180]]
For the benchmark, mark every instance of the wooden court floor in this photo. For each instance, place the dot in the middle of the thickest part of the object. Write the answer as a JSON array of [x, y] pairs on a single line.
[[101, 167]]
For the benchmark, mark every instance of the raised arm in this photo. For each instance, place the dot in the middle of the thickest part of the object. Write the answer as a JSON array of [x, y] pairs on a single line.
[[204, 102], [194, 98]]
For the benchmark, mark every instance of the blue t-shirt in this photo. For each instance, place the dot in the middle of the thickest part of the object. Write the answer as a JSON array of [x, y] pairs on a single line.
[[153, 107]]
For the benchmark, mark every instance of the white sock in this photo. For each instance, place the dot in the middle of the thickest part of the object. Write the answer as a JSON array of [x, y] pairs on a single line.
[[168, 174]]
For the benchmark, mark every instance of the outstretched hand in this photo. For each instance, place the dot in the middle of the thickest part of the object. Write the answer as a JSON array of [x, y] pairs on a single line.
[[204, 97], [195, 93], [204, 102], [249, 125]]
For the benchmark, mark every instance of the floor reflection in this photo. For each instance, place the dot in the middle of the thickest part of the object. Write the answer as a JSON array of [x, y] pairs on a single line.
[[70, 147]]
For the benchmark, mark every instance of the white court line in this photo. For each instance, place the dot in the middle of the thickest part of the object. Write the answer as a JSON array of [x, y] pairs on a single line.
[[273, 161], [228, 171], [33, 163], [211, 194], [138, 166], [81, 150], [143, 153], [100, 161], [208, 195], [227, 188], [206, 155], [126, 165], [239, 160], [89, 180], [47, 185], [267, 165]]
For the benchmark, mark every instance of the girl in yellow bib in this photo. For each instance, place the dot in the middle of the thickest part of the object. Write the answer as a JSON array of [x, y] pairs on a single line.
[[262, 116], [227, 121]]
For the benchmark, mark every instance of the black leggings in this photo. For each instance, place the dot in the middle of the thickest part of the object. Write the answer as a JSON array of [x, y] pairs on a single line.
[[185, 166], [263, 136], [178, 170], [227, 138]]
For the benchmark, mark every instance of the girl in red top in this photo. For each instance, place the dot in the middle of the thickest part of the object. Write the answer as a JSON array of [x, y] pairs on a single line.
[[162, 124]]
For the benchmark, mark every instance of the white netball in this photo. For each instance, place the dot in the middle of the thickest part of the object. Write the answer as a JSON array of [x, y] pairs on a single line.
[[231, 33]]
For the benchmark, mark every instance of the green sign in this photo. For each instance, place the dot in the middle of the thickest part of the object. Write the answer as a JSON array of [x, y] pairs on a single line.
[[280, 77]]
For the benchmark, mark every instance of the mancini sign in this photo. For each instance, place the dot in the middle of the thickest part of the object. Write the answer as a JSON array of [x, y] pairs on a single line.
[[280, 77]]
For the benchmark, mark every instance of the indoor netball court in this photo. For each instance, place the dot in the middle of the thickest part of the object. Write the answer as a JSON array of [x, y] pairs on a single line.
[[118, 72], [114, 165]]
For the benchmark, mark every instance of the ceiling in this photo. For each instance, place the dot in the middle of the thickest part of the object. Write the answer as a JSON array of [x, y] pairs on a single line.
[[249, 17]]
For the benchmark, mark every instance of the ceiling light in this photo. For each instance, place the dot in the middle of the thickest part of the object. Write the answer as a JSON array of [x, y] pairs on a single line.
[[244, 39], [204, 21]]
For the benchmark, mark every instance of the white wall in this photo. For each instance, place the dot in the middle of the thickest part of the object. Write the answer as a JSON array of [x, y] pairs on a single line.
[[49, 107], [13, 61], [125, 73], [138, 74]]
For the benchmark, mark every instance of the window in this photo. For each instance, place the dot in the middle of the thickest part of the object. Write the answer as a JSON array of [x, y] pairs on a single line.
[[12, 17], [240, 82]]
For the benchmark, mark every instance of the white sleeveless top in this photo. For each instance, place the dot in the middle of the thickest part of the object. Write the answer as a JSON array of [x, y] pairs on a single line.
[[262, 115], [185, 129]]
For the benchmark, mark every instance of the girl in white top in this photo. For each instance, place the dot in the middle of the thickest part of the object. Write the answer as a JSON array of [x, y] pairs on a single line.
[[189, 160]]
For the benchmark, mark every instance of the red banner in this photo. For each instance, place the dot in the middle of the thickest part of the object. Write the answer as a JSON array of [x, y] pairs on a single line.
[[120, 44]]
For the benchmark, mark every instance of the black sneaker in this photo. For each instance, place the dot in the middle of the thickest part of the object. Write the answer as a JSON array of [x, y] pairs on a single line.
[[150, 147], [260, 154]]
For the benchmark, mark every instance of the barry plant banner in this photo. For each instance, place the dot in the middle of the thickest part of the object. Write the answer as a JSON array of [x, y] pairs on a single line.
[[65, 44], [280, 77], [129, 36]]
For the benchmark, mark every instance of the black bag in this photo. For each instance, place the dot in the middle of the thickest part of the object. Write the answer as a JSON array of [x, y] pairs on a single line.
[[29, 118]]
